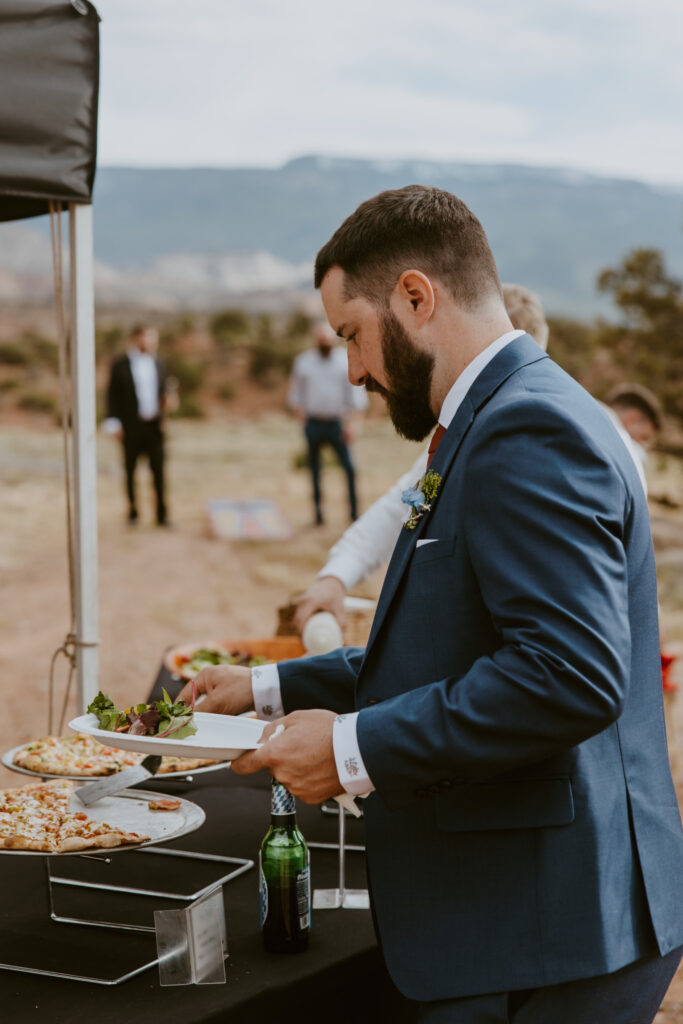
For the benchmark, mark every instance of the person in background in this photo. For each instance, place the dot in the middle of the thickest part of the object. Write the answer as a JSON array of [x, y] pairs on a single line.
[[136, 401], [636, 412], [327, 406], [368, 543]]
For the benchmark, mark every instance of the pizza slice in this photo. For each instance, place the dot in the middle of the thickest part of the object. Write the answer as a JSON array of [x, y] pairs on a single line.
[[30, 815], [78, 755], [37, 817], [79, 832]]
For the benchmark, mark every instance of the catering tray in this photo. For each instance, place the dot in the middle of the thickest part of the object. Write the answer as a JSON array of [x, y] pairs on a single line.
[[276, 648], [7, 760], [128, 810], [219, 736]]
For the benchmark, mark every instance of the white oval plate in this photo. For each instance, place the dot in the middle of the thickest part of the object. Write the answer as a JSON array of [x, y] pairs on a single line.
[[219, 736]]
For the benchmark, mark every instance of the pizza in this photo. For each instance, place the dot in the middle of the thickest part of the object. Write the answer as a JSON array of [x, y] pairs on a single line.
[[37, 817], [85, 757]]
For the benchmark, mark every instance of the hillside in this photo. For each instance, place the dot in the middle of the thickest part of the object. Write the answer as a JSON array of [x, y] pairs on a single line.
[[194, 237]]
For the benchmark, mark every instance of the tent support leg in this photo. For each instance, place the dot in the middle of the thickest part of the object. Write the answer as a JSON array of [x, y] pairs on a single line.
[[84, 434]]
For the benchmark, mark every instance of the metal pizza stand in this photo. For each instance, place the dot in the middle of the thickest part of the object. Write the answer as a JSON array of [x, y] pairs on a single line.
[[129, 810]]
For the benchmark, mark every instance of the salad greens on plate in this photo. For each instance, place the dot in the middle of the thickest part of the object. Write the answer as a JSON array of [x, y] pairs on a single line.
[[160, 718]]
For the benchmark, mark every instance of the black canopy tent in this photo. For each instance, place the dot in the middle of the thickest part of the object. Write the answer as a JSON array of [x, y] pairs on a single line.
[[49, 79]]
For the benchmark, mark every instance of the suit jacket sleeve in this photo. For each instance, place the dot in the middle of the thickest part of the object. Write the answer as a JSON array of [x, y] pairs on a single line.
[[543, 528], [327, 681], [115, 398]]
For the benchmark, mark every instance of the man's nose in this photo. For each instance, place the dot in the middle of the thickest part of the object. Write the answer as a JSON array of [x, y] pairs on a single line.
[[357, 372]]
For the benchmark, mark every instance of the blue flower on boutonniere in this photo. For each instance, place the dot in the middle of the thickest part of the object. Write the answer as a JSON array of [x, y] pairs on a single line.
[[421, 497]]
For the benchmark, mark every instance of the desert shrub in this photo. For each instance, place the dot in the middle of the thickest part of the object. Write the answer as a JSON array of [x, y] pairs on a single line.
[[228, 326], [10, 384], [38, 401], [185, 323], [270, 357], [265, 365], [188, 372], [189, 408], [227, 391], [648, 346], [572, 345], [42, 349], [108, 340], [13, 353], [298, 325]]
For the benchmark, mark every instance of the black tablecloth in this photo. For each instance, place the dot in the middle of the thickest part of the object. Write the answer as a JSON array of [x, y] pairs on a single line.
[[340, 976]]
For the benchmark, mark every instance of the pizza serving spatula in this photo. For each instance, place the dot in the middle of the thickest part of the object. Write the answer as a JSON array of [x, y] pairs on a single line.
[[93, 791]]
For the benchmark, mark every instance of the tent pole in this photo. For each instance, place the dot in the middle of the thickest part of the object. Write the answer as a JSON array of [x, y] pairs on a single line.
[[82, 321]]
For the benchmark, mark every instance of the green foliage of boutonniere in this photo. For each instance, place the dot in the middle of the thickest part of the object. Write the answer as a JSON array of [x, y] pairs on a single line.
[[421, 497]]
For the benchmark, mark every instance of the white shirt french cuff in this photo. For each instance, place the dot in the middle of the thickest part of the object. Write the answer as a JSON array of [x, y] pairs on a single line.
[[351, 769], [265, 687], [111, 425]]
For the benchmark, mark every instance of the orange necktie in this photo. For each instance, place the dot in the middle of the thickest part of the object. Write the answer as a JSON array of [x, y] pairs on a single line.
[[434, 443]]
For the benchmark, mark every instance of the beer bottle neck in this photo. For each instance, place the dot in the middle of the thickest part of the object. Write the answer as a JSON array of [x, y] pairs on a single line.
[[283, 820], [282, 806]]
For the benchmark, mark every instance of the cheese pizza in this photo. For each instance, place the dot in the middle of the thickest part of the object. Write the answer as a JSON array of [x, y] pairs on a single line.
[[37, 817], [83, 756]]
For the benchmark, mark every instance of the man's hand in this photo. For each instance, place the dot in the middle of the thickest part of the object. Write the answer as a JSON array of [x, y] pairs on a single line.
[[301, 757], [325, 595], [227, 689]]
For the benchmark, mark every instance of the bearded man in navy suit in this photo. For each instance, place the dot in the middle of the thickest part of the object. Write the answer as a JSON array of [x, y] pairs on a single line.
[[524, 843]]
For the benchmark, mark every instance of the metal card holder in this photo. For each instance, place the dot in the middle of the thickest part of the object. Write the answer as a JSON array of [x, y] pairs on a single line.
[[215, 886], [192, 943]]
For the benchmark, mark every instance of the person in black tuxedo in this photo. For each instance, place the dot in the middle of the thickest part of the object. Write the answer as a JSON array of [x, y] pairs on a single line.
[[135, 405]]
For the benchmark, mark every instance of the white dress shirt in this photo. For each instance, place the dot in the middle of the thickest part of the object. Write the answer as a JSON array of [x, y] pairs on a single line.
[[320, 385], [143, 368], [635, 450], [266, 679], [146, 380]]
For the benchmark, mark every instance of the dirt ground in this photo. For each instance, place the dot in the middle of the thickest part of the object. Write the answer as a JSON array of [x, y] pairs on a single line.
[[163, 587]]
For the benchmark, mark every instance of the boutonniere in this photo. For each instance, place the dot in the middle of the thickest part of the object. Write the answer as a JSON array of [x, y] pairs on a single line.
[[421, 497]]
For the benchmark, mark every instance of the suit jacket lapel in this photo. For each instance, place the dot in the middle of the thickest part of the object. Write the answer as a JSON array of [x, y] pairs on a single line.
[[518, 353]]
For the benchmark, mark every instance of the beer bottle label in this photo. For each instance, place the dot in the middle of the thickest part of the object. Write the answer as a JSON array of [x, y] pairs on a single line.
[[282, 801], [303, 897], [263, 893]]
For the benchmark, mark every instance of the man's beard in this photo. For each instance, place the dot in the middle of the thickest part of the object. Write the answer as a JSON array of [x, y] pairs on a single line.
[[409, 372]]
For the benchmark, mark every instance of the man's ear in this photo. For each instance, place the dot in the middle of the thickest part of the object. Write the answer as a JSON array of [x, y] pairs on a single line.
[[415, 296]]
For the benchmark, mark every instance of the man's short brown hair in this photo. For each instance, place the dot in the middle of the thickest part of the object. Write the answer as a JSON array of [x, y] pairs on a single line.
[[635, 396], [417, 227]]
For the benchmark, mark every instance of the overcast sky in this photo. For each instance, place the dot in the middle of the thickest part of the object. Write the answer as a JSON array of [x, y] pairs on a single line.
[[592, 84]]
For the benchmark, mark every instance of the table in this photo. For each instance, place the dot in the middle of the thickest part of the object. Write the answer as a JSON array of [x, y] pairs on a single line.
[[341, 976]]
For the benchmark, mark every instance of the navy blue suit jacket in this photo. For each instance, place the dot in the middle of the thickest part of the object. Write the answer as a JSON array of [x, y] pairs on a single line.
[[524, 829]]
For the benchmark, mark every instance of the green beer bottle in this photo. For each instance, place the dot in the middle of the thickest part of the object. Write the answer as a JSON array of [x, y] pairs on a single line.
[[285, 882]]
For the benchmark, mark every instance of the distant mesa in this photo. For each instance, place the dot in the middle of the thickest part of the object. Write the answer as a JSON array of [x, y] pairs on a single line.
[[198, 238]]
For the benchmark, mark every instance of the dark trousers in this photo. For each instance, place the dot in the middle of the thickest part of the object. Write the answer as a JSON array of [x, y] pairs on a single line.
[[146, 439], [629, 996], [321, 432]]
